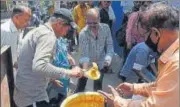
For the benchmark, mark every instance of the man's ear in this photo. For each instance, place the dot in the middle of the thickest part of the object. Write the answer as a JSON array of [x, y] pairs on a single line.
[[16, 19], [156, 32]]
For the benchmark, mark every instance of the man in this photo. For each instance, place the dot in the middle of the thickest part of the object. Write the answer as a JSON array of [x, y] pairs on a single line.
[[106, 13], [90, 3], [96, 46], [11, 29], [79, 15], [112, 16], [35, 67], [136, 66], [162, 21], [103, 11]]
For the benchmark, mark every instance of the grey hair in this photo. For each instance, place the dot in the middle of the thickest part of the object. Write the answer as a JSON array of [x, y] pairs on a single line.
[[18, 10], [54, 19], [92, 11], [161, 15]]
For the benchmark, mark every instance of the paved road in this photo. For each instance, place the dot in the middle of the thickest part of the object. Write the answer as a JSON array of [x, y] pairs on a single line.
[[109, 78]]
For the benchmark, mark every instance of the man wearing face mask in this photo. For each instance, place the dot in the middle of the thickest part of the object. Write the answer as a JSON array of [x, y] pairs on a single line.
[[10, 30], [140, 57], [163, 23], [95, 46]]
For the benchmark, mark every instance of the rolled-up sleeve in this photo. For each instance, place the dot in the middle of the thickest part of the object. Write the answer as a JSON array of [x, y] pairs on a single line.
[[141, 59], [43, 56], [143, 89], [163, 92], [84, 47]]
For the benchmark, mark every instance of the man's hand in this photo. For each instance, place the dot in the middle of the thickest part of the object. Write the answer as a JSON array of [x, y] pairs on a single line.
[[126, 89], [118, 101], [57, 83], [106, 64], [107, 61], [114, 100], [15, 65], [76, 72], [129, 46], [85, 65], [108, 98], [71, 60]]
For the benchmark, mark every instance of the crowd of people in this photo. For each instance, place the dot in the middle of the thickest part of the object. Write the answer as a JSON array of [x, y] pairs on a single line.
[[43, 63]]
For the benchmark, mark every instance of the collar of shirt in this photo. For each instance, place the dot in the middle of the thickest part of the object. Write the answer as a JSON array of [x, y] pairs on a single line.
[[63, 40], [50, 28], [147, 47], [169, 52], [12, 26], [91, 33]]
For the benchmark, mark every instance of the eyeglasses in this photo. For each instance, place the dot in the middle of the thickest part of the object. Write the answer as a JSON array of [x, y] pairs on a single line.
[[92, 23], [108, 1]]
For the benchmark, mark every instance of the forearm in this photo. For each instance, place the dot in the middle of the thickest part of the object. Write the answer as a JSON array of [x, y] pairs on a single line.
[[141, 75], [42, 62], [143, 88], [50, 70]]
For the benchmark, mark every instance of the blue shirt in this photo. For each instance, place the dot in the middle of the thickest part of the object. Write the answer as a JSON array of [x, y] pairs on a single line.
[[60, 60], [140, 55]]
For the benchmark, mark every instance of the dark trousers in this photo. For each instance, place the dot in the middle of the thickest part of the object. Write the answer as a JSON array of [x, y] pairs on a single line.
[[56, 102], [97, 83], [41, 104]]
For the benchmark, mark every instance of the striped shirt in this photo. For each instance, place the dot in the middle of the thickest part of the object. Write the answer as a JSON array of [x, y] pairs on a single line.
[[96, 49]]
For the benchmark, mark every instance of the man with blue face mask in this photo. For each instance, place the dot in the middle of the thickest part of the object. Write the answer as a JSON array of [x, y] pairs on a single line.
[[136, 66], [163, 23]]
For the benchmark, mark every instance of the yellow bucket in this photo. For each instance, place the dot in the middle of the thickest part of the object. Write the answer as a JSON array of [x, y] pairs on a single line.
[[84, 99]]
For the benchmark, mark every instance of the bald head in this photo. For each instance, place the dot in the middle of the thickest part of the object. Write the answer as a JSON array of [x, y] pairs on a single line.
[[21, 10], [92, 13], [21, 16], [92, 19]]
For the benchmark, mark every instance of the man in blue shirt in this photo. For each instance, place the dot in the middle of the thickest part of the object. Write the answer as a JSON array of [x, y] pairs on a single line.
[[135, 67]]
